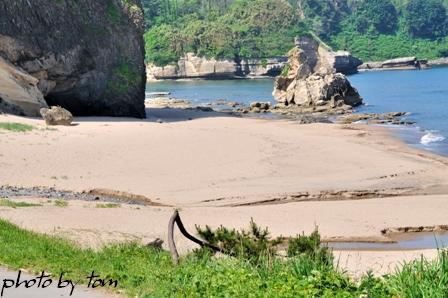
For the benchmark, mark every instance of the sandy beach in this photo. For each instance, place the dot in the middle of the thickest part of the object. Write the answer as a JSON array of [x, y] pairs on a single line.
[[352, 181]]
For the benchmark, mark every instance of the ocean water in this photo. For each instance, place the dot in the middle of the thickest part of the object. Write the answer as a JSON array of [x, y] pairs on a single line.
[[205, 91], [422, 93]]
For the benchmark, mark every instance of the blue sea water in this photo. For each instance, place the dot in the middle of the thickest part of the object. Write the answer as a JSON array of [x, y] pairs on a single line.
[[423, 93]]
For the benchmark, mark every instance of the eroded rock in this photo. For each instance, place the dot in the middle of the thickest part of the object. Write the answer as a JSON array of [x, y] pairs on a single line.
[[19, 93], [312, 81], [56, 116]]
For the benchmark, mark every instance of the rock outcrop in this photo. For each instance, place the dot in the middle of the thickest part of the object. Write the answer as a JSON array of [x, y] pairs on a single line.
[[18, 92], [87, 55], [192, 66], [395, 64], [311, 80]]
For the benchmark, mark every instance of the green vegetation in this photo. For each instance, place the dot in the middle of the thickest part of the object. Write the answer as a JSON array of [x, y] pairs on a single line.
[[112, 13], [126, 77], [147, 272], [16, 127], [61, 203], [243, 29], [16, 204], [108, 205]]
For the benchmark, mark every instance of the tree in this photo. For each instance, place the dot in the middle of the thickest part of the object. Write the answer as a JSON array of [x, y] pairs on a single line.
[[378, 15], [322, 16], [426, 18]]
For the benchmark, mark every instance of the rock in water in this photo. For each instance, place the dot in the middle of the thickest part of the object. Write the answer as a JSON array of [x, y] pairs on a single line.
[[87, 55], [56, 116], [311, 80]]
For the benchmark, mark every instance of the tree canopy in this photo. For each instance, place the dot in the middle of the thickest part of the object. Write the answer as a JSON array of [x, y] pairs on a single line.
[[243, 29], [426, 18]]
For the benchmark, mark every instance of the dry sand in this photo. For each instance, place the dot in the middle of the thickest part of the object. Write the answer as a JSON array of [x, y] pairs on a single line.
[[211, 164]]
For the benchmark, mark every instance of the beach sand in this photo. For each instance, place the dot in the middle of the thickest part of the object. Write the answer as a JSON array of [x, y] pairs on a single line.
[[352, 181]]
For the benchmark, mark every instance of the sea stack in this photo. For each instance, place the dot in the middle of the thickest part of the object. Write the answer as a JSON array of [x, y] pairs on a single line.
[[311, 78], [86, 56]]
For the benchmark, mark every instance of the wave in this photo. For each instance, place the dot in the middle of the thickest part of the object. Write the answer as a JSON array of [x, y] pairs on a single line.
[[431, 137]]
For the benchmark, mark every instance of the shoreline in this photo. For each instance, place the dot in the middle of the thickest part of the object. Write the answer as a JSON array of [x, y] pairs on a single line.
[[227, 170]]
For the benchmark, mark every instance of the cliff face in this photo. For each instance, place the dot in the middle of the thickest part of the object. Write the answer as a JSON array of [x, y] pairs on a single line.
[[87, 55], [192, 66]]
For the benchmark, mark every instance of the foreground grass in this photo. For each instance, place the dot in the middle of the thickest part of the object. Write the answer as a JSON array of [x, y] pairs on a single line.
[[14, 204], [146, 272], [16, 127]]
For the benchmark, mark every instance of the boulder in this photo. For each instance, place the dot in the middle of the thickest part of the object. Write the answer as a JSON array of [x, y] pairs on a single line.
[[56, 116], [87, 55], [312, 81], [19, 93]]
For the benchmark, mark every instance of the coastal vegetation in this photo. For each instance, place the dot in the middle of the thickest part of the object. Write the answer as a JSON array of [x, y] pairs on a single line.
[[148, 272], [61, 203], [240, 29], [16, 127], [16, 204]]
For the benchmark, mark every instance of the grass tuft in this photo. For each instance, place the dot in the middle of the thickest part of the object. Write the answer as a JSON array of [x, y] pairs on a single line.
[[108, 205], [14, 204], [61, 203], [16, 127]]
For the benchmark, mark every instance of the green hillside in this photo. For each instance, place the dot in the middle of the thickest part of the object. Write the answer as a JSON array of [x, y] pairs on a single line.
[[373, 30]]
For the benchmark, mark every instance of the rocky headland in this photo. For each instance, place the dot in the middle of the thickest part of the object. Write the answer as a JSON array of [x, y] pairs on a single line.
[[86, 56]]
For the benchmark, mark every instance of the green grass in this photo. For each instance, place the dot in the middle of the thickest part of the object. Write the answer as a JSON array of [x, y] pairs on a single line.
[[108, 205], [146, 272], [15, 204], [16, 127], [60, 203]]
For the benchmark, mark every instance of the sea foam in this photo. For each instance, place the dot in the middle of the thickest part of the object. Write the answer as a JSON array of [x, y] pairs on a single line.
[[431, 137]]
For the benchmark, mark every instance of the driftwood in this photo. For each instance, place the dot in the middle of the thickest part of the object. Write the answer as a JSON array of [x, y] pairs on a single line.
[[175, 219]]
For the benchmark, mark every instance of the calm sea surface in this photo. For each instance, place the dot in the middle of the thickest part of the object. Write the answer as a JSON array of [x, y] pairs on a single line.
[[422, 93]]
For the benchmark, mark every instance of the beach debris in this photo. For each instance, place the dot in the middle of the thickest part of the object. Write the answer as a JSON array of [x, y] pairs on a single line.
[[175, 219], [56, 116], [156, 244]]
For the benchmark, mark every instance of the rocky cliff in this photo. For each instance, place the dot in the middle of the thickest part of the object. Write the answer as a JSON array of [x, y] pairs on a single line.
[[192, 66], [86, 55], [312, 80]]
